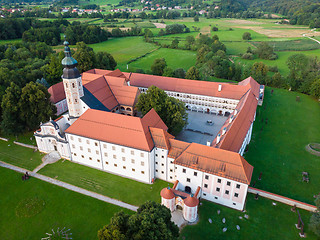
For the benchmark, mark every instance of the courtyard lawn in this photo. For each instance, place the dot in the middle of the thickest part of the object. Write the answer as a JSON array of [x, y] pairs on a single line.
[[83, 215], [175, 59], [277, 149], [19, 156], [265, 222], [124, 49], [110, 185]]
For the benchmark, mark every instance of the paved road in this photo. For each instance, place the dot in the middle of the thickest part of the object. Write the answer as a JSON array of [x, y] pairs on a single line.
[[70, 187]]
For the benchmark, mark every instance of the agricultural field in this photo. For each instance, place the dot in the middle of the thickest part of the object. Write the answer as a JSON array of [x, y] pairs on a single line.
[[281, 131], [50, 207], [174, 58]]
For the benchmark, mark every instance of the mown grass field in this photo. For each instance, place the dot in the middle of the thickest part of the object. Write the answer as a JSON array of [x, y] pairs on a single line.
[[124, 49], [175, 59], [110, 185], [277, 148], [265, 222], [19, 156], [83, 215]]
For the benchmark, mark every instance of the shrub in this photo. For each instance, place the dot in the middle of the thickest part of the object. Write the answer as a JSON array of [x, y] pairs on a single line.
[[246, 36], [248, 56], [273, 69], [215, 29]]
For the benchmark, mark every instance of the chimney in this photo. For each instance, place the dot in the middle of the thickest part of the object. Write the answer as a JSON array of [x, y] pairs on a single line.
[[220, 87], [218, 138], [230, 119], [208, 143], [235, 112], [224, 131]]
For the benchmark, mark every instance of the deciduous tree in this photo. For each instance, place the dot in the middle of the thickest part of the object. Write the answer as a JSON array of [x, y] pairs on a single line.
[[151, 222], [158, 66], [170, 110], [193, 74], [85, 57]]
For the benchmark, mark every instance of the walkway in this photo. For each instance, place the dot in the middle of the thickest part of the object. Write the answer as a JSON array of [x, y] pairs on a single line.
[[70, 187], [282, 199], [50, 158]]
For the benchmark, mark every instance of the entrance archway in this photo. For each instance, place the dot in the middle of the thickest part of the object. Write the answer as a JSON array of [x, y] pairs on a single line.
[[187, 189], [179, 207]]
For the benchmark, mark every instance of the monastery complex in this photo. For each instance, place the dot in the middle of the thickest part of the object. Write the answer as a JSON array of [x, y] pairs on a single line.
[[99, 128]]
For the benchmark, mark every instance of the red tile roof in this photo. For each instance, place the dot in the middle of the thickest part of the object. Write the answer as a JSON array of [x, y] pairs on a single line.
[[161, 138], [205, 88], [167, 193], [118, 129], [236, 130], [216, 161], [57, 92], [191, 201], [251, 84]]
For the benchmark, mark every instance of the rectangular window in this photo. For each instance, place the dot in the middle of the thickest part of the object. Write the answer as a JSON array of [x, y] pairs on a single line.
[[156, 155], [162, 156], [124, 167], [170, 177], [227, 192], [171, 170], [106, 154], [162, 164], [115, 165], [219, 180], [122, 150], [115, 156], [238, 186], [188, 180], [184, 170], [98, 160], [204, 194], [123, 159], [73, 146], [133, 170], [89, 150], [113, 148], [104, 145], [142, 163], [141, 154], [75, 154], [156, 162], [132, 161], [81, 148], [195, 173], [79, 139], [96, 144], [90, 158], [206, 186], [97, 152], [218, 189], [228, 183], [236, 194], [142, 172], [206, 177], [132, 152], [71, 137], [82, 156], [87, 141], [234, 204], [107, 163]]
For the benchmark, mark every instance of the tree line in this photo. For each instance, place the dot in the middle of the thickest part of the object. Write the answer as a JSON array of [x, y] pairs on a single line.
[[26, 70]]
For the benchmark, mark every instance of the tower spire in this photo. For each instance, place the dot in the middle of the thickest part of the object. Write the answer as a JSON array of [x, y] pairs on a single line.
[[69, 63]]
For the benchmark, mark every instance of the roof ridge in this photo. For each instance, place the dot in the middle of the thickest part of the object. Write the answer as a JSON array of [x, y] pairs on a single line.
[[104, 77]]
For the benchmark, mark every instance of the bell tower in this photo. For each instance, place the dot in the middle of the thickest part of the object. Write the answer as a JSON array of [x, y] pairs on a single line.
[[72, 83]]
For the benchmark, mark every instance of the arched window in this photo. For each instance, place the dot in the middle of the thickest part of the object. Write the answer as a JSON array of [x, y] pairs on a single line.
[[73, 85]]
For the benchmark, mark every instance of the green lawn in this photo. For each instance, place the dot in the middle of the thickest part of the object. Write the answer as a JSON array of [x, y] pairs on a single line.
[[278, 150], [110, 185], [19, 156], [124, 49], [265, 222], [175, 59], [281, 61], [63, 208]]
